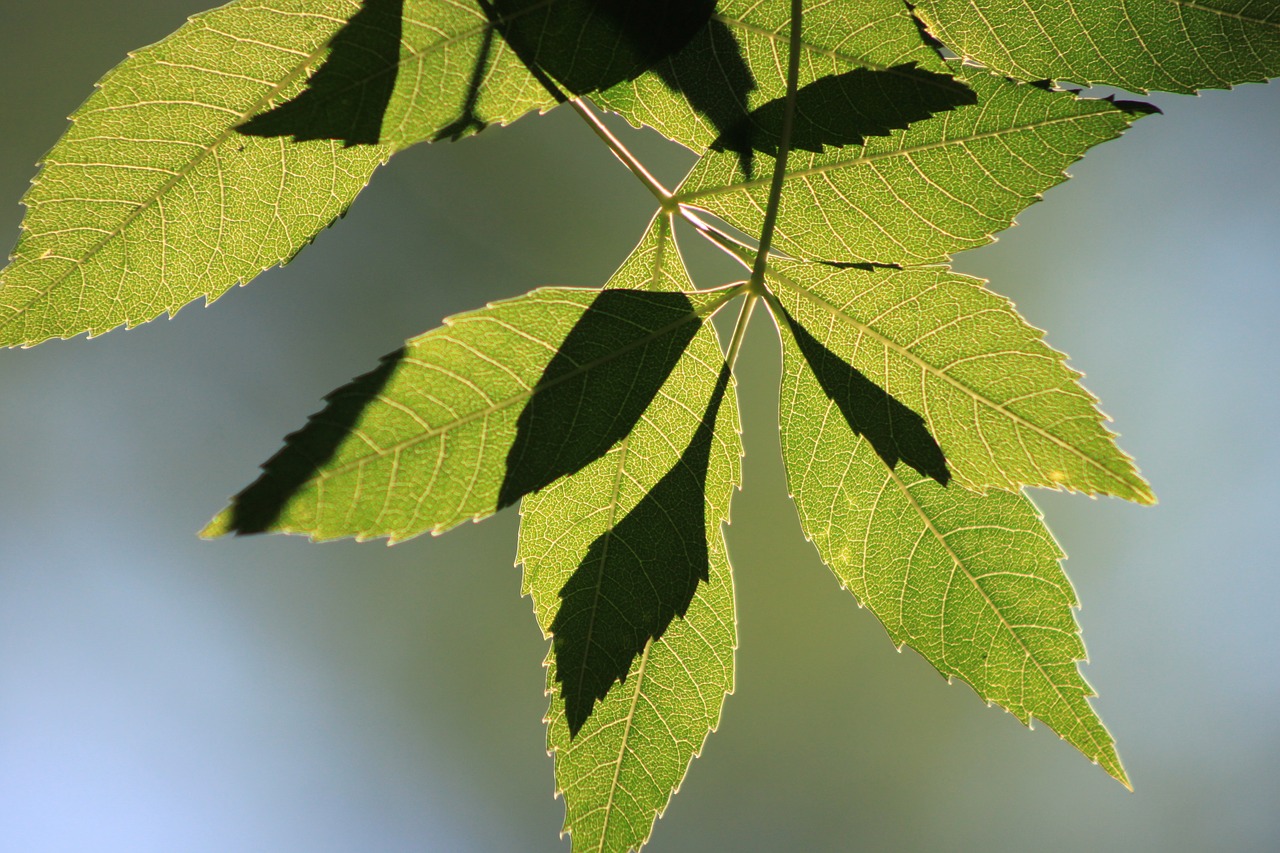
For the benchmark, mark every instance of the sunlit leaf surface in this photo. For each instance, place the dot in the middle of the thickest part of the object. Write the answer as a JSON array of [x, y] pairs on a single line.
[[627, 566], [1172, 45], [972, 582]]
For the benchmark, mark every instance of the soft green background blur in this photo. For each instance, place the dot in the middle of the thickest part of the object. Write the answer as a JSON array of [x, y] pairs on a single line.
[[159, 693]]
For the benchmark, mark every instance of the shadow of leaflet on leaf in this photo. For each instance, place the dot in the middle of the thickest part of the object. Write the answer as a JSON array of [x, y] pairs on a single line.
[[305, 452], [576, 419], [586, 46], [845, 109], [593, 390], [636, 578], [347, 98], [573, 46], [895, 431], [591, 45]]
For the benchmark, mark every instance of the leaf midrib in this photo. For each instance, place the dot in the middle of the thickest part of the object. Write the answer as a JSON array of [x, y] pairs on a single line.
[[626, 738]]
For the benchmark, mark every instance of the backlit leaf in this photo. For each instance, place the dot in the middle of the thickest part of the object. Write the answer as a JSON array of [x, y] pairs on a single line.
[[704, 95], [934, 358], [977, 152], [627, 566], [971, 582], [1173, 45], [466, 419], [163, 190]]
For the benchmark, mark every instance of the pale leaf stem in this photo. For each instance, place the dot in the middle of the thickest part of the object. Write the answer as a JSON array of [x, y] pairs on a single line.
[[661, 193], [740, 327]]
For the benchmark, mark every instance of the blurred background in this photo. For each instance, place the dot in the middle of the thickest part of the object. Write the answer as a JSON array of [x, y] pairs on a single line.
[[160, 693]]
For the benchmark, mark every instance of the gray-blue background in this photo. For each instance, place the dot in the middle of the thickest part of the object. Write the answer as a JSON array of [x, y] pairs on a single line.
[[159, 693]]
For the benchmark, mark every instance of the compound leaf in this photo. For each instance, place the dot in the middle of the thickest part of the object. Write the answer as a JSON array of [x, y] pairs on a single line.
[[627, 567], [611, 414], [971, 582], [978, 150], [932, 359], [1171, 45], [466, 419]]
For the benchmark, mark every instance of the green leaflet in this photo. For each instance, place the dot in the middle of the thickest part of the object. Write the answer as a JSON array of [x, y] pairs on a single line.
[[1172, 45], [703, 95], [407, 71], [972, 582], [863, 190], [939, 360], [628, 570], [466, 419], [153, 198]]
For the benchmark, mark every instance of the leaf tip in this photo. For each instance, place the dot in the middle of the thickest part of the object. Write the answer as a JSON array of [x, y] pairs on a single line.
[[220, 525]]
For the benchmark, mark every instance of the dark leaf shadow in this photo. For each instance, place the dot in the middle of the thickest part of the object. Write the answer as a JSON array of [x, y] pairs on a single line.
[[630, 339], [307, 451], [347, 98], [578, 47], [634, 338], [587, 46], [636, 578], [846, 109], [895, 431]]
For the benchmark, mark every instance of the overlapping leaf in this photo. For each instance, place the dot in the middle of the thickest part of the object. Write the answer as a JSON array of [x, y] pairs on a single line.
[[627, 566], [1172, 45], [955, 366], [154, 198], [977, 151], [704, 95], [468, 418], [972, 582], [915, 403]]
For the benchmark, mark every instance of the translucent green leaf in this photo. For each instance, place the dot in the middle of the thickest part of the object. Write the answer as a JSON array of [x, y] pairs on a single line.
[[408, 71], [931, 358], [972, 582], [466, 419], [160, 193], [978, 150], [1172, 45], [703, 95], [627, 567], [655, 263]]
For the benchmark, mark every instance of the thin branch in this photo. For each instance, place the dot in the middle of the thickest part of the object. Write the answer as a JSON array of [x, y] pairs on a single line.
[[740, 327], [727, 243], [784, 148], [661, 193]]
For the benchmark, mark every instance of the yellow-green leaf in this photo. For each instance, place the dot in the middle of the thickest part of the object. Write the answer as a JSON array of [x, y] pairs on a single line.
[[466, 419], [627, 566], [971, 582], [933, 359], [1173, 45], [977, 151]]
